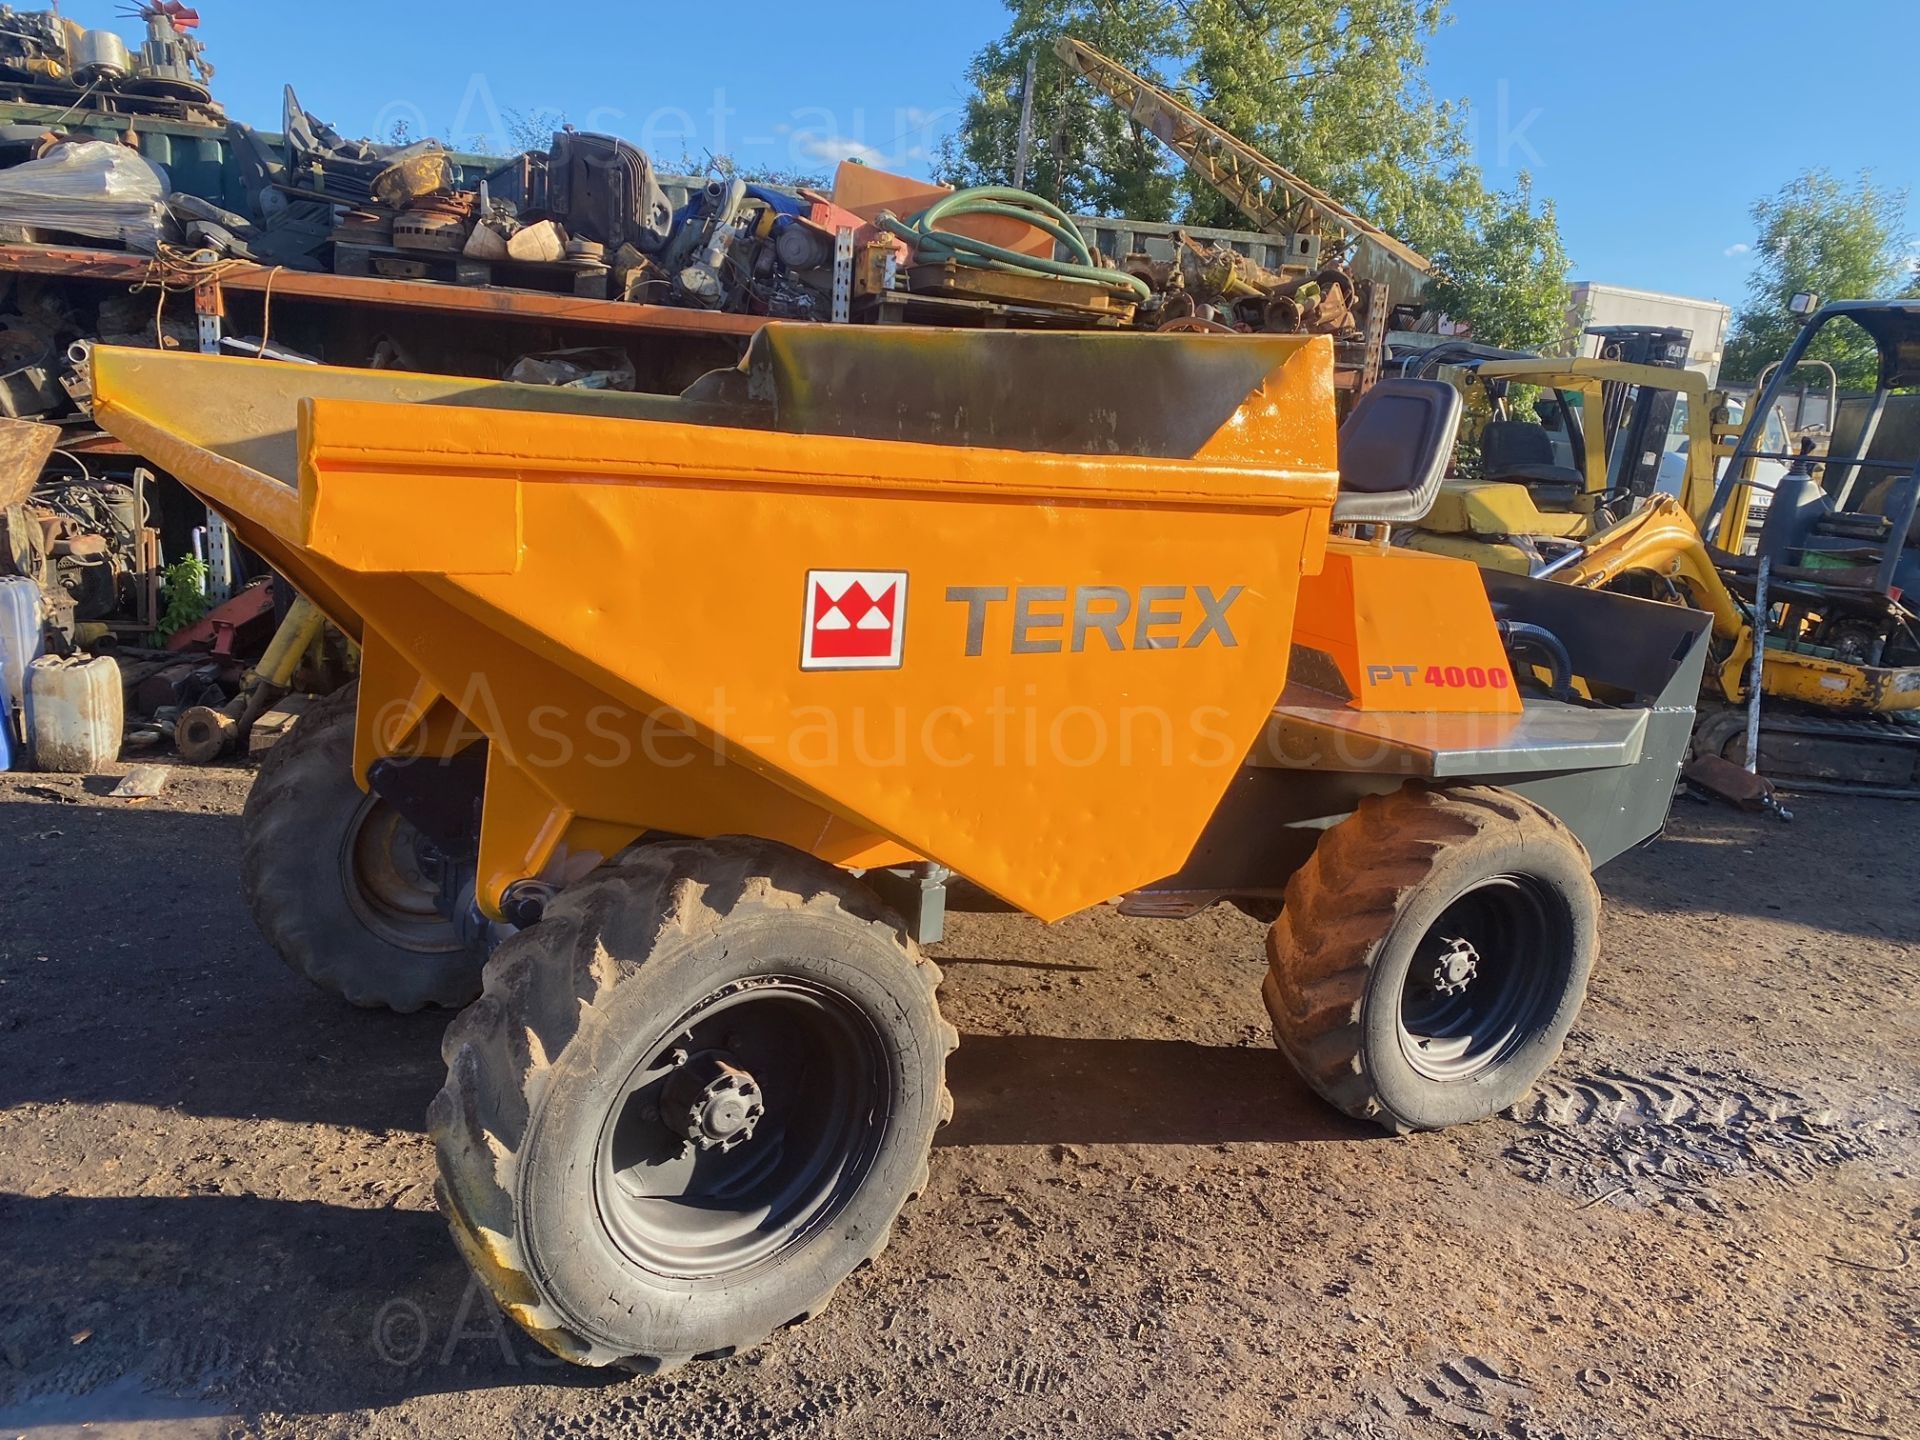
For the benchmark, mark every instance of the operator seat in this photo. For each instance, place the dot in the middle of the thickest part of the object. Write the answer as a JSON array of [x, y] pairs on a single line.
[[1394, 450], [1811, 542], [1888, 498], [1521, 451]]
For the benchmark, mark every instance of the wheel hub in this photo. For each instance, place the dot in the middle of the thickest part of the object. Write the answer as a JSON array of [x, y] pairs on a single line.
[[743, 1129], [1457, 968], [1487, 977], [712, 1103], [392, 877]]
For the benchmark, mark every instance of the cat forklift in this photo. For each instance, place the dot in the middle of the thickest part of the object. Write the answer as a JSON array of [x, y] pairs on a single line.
[[1567, 448]]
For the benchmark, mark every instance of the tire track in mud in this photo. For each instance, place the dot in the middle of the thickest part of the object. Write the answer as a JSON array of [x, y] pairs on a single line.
[[1667, 1135], [1467, 1396], [1027, 1376]]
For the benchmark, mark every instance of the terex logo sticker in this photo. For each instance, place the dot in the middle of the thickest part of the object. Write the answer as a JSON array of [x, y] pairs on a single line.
[[855, 620], [1055, 619]]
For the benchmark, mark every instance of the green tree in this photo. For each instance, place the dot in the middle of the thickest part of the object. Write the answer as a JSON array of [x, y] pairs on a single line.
[[1333, 92], [1086, 155], [1505, 276], [532, 129], [1838, 241]]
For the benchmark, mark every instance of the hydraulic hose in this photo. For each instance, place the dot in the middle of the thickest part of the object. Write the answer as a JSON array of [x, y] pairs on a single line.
[[936, 246], [1520, 637]]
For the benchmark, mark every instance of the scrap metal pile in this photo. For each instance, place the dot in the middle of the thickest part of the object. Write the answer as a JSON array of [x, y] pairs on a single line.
[[1217, 284], [593, 208], [119, 655], [589, 215], [44, 51], [1008, 247]]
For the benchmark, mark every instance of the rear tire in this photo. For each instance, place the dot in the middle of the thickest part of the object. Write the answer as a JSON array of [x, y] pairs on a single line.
[[693, 1099], [335, 881], [1432, 956]]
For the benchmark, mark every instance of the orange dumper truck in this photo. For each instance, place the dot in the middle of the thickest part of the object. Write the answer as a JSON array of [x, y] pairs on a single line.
[[682, 721]]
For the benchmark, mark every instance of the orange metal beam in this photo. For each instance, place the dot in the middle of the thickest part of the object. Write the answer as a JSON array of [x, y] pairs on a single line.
[[418, 295], [74, 264], [501, 304]]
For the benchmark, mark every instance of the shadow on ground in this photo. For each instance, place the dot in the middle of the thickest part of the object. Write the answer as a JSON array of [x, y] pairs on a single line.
[[1718, 861], [123, 986], [243, 1303], [1038, 1090]]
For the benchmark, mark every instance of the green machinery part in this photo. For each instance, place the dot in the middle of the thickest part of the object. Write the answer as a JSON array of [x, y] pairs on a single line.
[[936, 246]]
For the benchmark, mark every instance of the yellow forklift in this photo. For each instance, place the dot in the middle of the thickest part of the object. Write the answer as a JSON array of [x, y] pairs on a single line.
[[1558, 451]]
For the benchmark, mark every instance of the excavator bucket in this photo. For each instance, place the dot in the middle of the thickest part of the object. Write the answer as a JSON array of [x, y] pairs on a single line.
[[1017, 603]]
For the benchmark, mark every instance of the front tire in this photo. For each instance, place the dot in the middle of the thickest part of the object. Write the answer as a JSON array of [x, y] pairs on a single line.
[[693, 1099], [340, 884], [1432, 955]]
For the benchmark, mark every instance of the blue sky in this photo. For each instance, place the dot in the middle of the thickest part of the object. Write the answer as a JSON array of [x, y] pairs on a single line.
[[1653, 125]]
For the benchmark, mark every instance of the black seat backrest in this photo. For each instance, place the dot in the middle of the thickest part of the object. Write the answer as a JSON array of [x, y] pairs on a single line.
[[1394, 451], [1891, 497], [1522, 451], [1793, 516], [1802, 520], [1509, 446]]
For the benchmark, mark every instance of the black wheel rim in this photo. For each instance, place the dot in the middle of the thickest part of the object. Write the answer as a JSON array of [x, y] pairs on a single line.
[[1485, 978], [391, 879], [693, 1206]]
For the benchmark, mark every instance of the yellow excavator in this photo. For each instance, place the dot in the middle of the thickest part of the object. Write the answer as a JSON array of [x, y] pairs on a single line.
[[1815, 656]]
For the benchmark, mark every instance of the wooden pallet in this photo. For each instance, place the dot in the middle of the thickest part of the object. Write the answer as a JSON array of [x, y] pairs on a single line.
[[586, 278]]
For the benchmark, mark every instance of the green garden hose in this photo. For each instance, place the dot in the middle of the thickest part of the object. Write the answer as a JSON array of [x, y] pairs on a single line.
[[935, 246]]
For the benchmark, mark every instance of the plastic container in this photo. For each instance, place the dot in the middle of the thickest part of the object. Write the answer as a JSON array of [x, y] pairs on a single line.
[[20, 634], [76, 714], [21, 639]]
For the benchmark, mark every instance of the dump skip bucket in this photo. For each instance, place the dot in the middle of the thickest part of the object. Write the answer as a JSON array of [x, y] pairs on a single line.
[[1017, 603]]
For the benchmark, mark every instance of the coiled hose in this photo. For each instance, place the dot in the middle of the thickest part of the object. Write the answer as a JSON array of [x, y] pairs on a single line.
[[1524, 639], [935, 246]]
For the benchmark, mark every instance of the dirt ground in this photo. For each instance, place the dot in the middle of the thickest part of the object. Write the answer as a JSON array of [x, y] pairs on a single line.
[[216, 1213]]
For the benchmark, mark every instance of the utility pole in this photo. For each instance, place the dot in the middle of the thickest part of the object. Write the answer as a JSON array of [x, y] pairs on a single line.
[[1024, 146]]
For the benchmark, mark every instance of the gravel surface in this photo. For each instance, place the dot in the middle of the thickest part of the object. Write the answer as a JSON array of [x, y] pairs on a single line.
[[216, 1207]]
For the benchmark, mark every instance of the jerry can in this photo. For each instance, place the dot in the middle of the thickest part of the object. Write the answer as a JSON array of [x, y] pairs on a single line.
[[76, 714]]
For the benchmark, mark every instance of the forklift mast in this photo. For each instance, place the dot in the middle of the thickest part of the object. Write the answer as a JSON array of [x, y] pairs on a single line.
[[1637, 440]]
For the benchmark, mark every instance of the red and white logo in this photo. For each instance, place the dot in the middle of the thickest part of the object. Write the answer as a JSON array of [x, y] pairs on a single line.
[[856, 620]]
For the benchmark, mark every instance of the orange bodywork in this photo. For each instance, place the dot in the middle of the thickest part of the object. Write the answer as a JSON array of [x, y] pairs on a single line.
[[1409, 632], [1039, 667]]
